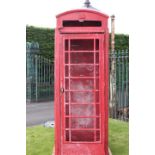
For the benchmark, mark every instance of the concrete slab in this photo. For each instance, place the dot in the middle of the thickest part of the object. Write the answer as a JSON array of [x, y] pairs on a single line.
[[109, 151]]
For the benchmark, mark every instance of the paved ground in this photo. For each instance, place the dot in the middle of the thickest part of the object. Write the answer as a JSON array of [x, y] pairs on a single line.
[[39, 113]]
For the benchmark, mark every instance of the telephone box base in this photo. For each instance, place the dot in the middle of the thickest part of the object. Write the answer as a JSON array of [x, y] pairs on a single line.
[[109, 151]]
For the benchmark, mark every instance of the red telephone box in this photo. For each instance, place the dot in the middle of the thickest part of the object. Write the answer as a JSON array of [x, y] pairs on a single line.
[[81, 83]]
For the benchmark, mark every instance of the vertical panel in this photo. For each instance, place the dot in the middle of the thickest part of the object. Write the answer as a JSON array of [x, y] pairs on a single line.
[[82, 106]]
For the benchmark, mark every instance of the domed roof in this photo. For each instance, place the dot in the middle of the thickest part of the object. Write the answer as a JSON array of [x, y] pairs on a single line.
[[85, 8]]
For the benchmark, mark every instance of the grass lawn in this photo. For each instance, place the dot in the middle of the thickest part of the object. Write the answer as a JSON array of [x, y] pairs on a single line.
[[118, 137], [40, 140]]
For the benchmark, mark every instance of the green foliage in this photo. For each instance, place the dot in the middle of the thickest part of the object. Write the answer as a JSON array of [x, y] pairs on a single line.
[[45, 38], [121, 41]]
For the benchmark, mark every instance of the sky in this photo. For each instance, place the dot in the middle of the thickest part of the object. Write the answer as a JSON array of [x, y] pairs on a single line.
[[41, 13]]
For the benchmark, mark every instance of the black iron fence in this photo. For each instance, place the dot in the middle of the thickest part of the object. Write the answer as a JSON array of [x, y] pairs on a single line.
[[120, 109]]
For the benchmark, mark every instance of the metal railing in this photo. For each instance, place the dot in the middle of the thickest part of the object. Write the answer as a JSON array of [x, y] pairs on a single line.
[[120, 109], [39, 77], [40, 81]]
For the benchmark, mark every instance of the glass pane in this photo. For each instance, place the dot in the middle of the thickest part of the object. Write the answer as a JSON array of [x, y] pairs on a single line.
[[97, 135], [97, 70], [82, 70], [97, 123], [85, 136], [82, 44], [66, 45], [97, 97], [82, 122], [97, 84], [66, 84], [66, 71], [97, 44], [67, 123], [67, 109], [82, 57], [82, 84], [82, 97], [85, 23], [67, 135], [97, 57], [66, 58], [97, 109], [66, 97], [82, 110]]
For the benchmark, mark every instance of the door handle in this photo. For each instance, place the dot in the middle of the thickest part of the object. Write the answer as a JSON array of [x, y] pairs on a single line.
[[62, 90]]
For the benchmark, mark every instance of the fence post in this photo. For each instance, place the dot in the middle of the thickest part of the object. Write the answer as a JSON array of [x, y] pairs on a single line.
[[122, 108], [36, 76], [127, 84], [113, 70]]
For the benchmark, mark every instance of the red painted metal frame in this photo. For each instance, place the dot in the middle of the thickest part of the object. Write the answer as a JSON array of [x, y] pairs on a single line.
[[81, 148], [80, 36]]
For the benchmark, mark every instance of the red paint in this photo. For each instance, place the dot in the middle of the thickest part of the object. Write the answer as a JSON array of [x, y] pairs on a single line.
[[81, 83]]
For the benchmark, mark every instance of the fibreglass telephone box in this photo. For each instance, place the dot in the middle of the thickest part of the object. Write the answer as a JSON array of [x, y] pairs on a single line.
[[81, 83]]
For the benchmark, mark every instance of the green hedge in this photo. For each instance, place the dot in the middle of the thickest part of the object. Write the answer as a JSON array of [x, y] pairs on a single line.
[[121, 42], [45, 38]]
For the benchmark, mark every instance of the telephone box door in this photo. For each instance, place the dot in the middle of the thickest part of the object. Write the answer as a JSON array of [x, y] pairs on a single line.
[[82, 99]]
